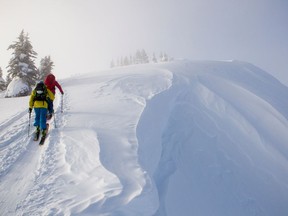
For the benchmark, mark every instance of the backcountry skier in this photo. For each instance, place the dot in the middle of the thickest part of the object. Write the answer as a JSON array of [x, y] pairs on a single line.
[[51, 83], [39, 99]]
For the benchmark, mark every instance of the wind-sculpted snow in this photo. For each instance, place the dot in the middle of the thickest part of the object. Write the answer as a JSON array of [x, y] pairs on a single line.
[[224, 144], [183, 138]]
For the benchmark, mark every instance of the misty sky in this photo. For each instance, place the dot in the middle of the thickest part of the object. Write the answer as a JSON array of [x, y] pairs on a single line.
[[85, 35]]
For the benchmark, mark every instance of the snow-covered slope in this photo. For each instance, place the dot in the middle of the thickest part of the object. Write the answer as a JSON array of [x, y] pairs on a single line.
[[182, 138]]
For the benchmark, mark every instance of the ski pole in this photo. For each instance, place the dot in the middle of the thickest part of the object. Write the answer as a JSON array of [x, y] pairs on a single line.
[[62, 103], [55, 120], [29, 123]]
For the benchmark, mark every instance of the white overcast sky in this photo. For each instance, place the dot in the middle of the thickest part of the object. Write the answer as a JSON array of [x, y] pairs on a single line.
[[85, 35]]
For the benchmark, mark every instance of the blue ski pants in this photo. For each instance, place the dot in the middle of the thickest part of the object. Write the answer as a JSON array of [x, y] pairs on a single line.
[[40, 118]]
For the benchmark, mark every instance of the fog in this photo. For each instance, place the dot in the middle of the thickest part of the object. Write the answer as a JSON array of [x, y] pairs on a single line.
[[83, 36]]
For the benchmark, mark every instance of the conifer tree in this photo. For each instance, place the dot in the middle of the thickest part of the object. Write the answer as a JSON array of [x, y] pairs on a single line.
[[45, 68], [154, 59], [22, 63], [8, 79], [144, 57], [126, 61], [138, 57], [131, 61], [163, 57], [112, 64], [2, 81]]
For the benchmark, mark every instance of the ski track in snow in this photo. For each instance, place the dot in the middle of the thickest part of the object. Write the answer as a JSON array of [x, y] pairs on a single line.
[[12, 136], [20, 161], [159, 140]]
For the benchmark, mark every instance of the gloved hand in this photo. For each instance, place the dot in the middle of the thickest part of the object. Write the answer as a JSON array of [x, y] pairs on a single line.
[[30, 110]]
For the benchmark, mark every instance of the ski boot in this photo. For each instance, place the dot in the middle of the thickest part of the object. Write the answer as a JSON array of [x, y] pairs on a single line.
[[43, 137], [37, 133]]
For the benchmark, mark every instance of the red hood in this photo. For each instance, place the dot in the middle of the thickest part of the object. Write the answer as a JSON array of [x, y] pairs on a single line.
[[50, 79]]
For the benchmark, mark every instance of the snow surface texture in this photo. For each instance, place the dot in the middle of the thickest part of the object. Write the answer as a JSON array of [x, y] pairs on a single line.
[[176, 139]]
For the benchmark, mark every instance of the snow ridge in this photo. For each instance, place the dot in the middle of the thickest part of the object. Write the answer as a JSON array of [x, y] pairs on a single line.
[[186, 137]]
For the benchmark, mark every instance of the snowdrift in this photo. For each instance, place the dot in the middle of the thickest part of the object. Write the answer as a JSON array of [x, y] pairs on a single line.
[[17, 88], [181, 138]]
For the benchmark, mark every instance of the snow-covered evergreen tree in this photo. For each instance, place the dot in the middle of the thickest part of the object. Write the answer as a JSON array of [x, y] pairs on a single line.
[[126, 61], [2, 81], [22, 63], [137, 58], [154, 59], [141, 57], [8, 79], [144, 57], [45, 68], [131, 60], [163, 57], [112, 64]]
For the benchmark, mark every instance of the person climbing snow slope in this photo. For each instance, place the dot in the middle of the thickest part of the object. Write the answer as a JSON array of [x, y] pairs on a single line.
[[39, 99], [51, 83]]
